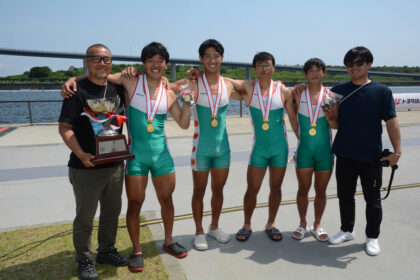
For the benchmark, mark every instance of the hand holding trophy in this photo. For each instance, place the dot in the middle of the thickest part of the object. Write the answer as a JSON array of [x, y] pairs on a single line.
[[110, 145], [185, 94], [330, 100]]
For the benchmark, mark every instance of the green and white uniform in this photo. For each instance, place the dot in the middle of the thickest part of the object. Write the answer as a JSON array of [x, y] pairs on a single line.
[[314, 147], [150, 148], [210, 141], [270, 145]]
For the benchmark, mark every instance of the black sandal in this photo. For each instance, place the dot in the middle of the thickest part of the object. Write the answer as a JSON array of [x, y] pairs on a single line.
[[136, 263], [176, 250], [243, 232], [274, 232]]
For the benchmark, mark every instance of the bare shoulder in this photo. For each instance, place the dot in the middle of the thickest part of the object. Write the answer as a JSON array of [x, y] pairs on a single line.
[[230, 84], [129, 85], [285, 89], [171, 93]]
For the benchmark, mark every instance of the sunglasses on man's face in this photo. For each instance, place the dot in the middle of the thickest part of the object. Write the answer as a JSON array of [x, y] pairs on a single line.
[[97, 59], [358, 63]]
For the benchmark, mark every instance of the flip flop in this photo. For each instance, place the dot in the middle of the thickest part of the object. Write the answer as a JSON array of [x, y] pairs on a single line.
[[271, 233], [243, 232], [302, 231], [318, 232]]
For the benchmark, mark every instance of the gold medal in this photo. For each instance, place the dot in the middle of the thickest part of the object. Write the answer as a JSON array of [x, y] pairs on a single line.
[[312, 131], [265, 126], [150, 128], [214, 123]]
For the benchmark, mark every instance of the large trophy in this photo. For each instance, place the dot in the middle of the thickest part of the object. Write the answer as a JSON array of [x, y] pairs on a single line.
[[111, 146]]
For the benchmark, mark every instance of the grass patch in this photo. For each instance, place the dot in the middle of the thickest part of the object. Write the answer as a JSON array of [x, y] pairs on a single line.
[[48, 253]]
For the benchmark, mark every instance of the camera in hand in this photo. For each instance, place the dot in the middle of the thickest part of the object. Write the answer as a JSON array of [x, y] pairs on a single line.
[[383, 154]]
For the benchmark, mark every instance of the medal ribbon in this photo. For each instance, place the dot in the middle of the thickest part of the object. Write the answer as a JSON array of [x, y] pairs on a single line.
[[214, 107], [265, 111], [151, 110], [313, 115]]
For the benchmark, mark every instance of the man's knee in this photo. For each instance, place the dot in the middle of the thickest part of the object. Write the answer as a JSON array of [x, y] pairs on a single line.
[[199, 193], [275, 191], [303, 191], [251, 192], [134, 207], [321, 194]]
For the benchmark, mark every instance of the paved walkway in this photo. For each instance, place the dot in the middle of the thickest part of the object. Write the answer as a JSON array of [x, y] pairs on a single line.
[[34, 190]]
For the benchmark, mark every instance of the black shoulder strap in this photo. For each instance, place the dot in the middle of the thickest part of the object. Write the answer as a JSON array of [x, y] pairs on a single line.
[[394, 167]]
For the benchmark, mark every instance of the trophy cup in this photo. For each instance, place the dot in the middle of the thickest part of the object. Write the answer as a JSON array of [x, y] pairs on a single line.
[[185, 94], [330, 100], [111, 146]]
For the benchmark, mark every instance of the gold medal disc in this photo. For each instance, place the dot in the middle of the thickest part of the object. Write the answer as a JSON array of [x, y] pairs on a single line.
[[265, 126], [214, 123], [150, 128], [312, 131]]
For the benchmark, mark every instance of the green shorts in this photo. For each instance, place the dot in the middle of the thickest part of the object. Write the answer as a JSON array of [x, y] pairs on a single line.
[[204, 162], [260, 160], [318, 158], [159, 164]]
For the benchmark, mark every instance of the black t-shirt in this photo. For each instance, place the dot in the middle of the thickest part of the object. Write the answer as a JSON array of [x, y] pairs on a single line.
[[72, 109], [359, 134]]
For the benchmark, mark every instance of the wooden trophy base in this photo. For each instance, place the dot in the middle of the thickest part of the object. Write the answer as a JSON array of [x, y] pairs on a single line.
[[111, 149]]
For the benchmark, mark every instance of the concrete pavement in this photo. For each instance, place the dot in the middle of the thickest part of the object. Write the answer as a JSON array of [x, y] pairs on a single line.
[[34, 190]]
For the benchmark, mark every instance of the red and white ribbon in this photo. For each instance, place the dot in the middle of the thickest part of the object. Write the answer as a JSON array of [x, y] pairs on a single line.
[[214, 106], [151, 108], [265, 110], [313, 114]]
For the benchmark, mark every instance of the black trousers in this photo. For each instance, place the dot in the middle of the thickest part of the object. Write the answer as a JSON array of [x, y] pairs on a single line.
[[347, 172]]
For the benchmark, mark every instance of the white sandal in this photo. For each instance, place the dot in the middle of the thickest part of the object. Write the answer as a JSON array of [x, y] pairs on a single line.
[[219, 235], [318, 232], [200, 242], [302, 231]]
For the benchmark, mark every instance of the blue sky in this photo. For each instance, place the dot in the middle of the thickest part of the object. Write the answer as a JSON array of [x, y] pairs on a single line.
[[292, 31]]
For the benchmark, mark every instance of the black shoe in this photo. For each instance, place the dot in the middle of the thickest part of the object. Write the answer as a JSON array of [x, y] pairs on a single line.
[[86, 269], [111, 257]]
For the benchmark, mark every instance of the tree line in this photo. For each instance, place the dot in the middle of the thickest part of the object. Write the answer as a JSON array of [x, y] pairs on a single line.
[[44, 73]]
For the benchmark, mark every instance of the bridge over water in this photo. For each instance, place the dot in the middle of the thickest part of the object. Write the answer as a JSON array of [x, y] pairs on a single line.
[[174, 61]]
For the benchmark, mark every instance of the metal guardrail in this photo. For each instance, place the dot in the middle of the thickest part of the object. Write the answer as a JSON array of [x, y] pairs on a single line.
[[60, 101], [29, 105]]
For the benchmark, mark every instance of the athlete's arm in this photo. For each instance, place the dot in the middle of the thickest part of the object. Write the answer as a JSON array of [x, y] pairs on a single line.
[[241, 89], [290, 109], [69, 88], [128, 84], [66, 131], [394, 134], [181, 116], [297, 89], [130, 72], [193, 75], [332, 116]]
